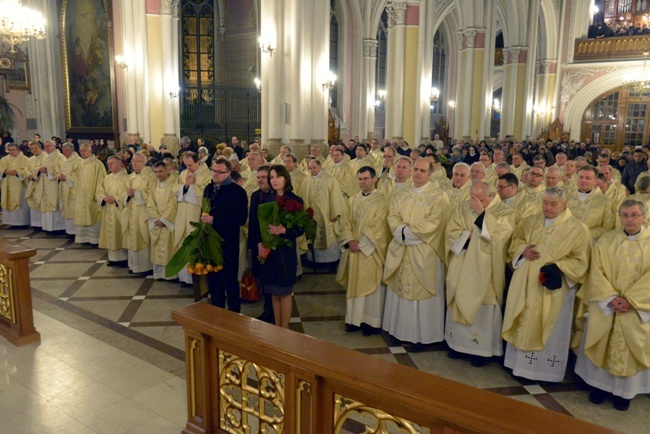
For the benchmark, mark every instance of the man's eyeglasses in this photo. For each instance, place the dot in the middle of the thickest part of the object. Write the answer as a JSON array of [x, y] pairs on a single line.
[[223, 172]]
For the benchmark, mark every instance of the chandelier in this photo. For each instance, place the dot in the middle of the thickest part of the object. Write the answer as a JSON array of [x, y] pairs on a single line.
[[639, 86], [19, 24]]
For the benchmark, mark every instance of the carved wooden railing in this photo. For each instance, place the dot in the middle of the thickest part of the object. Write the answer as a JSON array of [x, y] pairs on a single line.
[[16, 317], [244, 375], [621, 47]]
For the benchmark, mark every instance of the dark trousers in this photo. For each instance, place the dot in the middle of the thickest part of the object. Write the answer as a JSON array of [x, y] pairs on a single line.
[[224, 285]]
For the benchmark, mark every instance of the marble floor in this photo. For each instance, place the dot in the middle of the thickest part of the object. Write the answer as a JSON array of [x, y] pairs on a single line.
[[111, 359]]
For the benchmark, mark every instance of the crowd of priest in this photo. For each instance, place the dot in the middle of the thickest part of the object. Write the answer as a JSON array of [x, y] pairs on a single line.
[[528, 263]]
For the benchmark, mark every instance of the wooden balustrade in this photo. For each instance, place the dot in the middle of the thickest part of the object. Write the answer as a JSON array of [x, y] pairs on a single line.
[[621, 47], [244, 375], [16, 317]]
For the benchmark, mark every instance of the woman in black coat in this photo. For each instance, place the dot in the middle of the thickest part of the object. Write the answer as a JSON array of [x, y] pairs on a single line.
[[279, 268]]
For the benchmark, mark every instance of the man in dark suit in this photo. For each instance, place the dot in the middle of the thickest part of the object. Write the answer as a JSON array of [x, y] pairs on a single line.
[[228, 212]]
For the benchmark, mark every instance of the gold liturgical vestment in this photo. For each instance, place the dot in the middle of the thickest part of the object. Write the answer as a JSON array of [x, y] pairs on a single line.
[[364, 220], [620, 267], [70, 168], [408, 270], [531, 309], [595, 211], [135, 224], [189, 212], [162, 205], [50, 197], [323, 194], [531, 203], [477, 275], [458, 195], [345, 175], [91, 174], [114, 184], [34, 193], [12, 186]]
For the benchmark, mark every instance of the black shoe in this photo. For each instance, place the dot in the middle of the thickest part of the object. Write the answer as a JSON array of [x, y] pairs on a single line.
[[351, 328], [184, 285], [417, 348], [367, 330], [621, 404], [120, 264], [478, 362], [597, 396], [455, 355]]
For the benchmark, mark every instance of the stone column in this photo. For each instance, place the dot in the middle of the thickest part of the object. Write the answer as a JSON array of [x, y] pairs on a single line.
[[46, 97], [545, 90], [513, 105], [370, 95], [395, 75], [170, 76]]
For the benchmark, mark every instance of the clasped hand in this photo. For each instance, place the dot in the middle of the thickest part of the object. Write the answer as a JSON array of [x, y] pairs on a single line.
[[620, 305]]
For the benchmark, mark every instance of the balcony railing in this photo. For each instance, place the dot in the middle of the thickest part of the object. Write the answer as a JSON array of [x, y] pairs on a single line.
[[244, 375], [618, 48]]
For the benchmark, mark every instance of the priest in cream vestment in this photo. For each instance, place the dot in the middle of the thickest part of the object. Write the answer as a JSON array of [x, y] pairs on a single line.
[[588, 204], [190, 198], [344, 173], [414, 269], [458, 190], [537, 321], [614, 355], [533, 191], [135, 220], [110, 195], [322, 193], [477, 237], [50, 202], [14, 171], [400, 178], [87, 216], [161, 209], [35, 184], [364, 238], [69, 173]]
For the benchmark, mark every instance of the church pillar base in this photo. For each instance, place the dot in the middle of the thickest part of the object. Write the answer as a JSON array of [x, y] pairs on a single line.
[[424, 141], [273, 146], [298, 148], [171, 141]]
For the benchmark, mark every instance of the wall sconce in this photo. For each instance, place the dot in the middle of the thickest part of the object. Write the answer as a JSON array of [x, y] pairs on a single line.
[[435, 94], [381, 94], [258, 84], [496, 105], [121, 62], [452, 105], [331, 81], [173, 93], [265, 45]]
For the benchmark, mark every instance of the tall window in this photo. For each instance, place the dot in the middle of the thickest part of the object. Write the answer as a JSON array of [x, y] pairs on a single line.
[[197, 27], [334, 51], [605, 120], [438, 71]]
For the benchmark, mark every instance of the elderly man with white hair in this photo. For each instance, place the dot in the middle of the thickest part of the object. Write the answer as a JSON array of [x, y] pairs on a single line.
[[87, 216], [550, 254]]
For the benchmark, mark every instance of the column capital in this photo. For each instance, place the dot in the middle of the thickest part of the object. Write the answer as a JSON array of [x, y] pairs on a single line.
[[546, 66], [396, 12], [169, 7], [470, 37], [370, 48]]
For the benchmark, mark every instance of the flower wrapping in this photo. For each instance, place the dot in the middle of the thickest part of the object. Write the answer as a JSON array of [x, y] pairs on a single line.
[[201, 249], [287, 212]]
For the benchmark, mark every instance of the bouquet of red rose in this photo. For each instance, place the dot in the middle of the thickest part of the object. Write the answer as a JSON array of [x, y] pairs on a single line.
[[287, 212]]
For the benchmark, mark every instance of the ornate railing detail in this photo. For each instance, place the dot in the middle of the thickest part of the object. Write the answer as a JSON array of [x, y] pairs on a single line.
[[375, 420], [622, 47], [7, 304], [251, 397]]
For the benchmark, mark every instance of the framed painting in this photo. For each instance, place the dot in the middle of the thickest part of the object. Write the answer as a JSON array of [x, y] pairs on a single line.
[[18, 77], [86, 48]]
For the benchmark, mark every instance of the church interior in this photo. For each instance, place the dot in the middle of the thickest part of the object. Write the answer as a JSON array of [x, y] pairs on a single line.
[[296, 72]]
